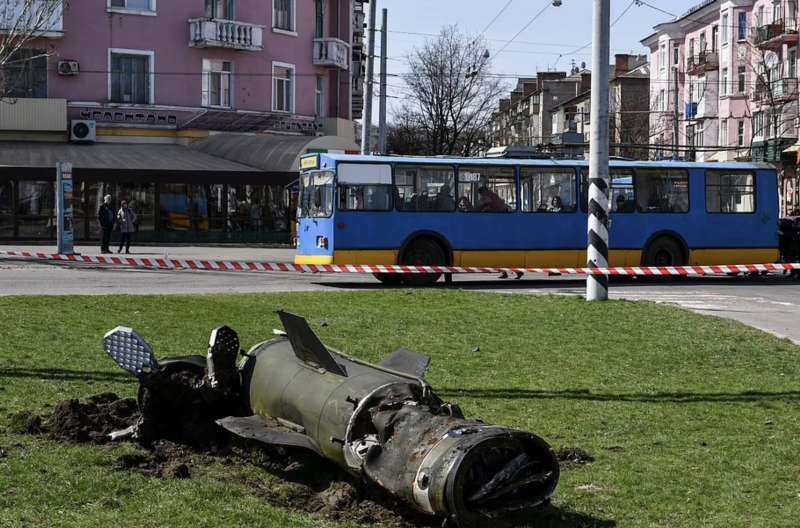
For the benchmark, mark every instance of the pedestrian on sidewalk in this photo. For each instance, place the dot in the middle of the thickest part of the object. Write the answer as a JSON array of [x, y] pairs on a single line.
[[107, 218], [126, 219]]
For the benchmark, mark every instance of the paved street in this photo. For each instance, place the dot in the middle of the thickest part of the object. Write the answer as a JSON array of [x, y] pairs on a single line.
[[769, 303]]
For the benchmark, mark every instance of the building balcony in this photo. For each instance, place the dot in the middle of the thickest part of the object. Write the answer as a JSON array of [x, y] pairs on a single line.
[[331, 52], [780, 91], [218, 33], [705, 61], [775, 35]]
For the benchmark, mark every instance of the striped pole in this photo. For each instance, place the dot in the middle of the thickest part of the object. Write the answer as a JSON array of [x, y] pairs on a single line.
[[597, 250]]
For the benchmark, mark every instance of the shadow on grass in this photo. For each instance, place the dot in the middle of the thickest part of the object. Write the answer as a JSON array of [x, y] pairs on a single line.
[[554, 517], [658, 397], [66, 375]]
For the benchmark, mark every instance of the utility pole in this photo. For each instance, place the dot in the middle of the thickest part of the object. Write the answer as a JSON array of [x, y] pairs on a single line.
[[676, 114], [366, 121], [597, 249], [382, 100]]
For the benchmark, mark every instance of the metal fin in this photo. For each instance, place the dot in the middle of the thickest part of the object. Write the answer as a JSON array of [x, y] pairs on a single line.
[[307, 345], [407, 361], [129, 350], [268, 431]]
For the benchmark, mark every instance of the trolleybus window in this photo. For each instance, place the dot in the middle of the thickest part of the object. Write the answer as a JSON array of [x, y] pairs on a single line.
[[548, 190], [316, 194], [487, 189], [662, 191], [364, 186], [621, 194], [730, 192], [424, 188]]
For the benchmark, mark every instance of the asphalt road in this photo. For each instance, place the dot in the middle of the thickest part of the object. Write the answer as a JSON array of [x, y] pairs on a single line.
[[769, 303]]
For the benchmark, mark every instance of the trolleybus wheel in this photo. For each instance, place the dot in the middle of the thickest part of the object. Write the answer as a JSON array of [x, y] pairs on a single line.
[[664, 251], [423, 252]]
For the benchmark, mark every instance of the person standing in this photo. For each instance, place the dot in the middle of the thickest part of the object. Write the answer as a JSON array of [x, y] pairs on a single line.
[[126, 219], [107, 217]]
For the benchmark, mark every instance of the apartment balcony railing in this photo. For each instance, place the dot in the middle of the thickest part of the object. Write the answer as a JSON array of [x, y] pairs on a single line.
[[218, 33], [780, 91], [705, 61], [331, 52], [776, 34]]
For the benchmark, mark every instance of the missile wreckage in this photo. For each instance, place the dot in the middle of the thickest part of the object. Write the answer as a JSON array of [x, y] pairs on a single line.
[[380, 422]]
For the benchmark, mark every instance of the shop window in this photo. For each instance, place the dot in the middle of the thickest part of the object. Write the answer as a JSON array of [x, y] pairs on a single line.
[[36, 209], [662, 191], [6, 209], [487, 189], [424, 188], [256, 208], [548, 190], [730, 192], [621, 192]]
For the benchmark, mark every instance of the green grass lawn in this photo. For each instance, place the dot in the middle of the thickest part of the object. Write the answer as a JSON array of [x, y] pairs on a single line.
[[694, 421]]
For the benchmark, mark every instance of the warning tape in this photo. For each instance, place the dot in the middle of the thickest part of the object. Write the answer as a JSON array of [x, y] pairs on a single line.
[[256, 266]]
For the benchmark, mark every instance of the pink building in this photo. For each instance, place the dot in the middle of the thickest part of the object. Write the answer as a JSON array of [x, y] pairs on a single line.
[[278, 77], [724, 86]]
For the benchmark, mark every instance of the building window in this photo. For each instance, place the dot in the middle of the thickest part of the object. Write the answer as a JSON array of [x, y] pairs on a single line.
[[714, 38], [724, 82], [217, 83], [702, 42], [760, 16], [662, 100], [691, 49], [24, 74], [792, 63], [723, 132], [742, 35], [220, 9], [725, 29], [283, 87], [676, 54], [319, 20], [283, 14], [730, 192], [131, 73], [319, 98], [133, 5], [740, 133], [662, 56], [742, 78], [758, 124]]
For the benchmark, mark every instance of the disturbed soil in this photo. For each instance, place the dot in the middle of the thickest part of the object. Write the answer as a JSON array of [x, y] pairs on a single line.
[[305, 483]]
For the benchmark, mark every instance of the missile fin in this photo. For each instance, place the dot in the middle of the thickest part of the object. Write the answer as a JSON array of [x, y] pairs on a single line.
[[267, 431], [307, 345], [407, 361]]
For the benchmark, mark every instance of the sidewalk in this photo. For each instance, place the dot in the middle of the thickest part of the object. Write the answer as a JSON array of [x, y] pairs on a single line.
[[193, 252]]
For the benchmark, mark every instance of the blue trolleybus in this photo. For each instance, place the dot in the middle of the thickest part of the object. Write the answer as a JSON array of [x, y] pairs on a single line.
[[530, 213]]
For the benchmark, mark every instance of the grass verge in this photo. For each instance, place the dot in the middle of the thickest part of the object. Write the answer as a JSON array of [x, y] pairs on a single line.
[[693, 420]]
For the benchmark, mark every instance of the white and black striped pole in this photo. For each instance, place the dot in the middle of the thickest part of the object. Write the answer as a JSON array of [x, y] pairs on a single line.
[[597, 249]]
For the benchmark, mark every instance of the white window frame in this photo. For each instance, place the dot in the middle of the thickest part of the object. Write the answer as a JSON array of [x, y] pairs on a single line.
[[151, 54], [741, 132], [319, 96], [131, 11], [291, 32], [725, 29], [294, 86], [723, 132], [725, 81], [205, 94]]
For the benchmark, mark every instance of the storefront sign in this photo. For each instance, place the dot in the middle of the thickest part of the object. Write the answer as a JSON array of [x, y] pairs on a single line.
[[64, 208]]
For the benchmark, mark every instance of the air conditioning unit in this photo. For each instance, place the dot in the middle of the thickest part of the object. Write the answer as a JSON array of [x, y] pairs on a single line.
[[69, 67], [83, 131]]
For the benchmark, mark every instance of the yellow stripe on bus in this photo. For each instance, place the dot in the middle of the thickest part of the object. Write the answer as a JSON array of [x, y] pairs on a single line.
[[547, 258]]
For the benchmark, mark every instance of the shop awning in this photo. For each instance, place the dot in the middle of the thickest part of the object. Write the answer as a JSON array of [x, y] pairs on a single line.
[[115, 156], [270, 153]]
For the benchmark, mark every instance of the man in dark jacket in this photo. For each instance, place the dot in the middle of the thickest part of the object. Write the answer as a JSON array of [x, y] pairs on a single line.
[[107, 217]]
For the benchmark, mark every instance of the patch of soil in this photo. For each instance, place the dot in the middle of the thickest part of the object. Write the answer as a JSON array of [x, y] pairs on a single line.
[[89, 421], [571, 457]]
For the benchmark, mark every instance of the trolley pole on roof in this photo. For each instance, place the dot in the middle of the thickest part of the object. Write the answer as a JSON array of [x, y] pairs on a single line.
[[366, 120], [597, 249]]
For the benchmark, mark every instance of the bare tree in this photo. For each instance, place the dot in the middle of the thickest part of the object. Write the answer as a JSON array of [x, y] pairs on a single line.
[[451, 92], [21, 23]]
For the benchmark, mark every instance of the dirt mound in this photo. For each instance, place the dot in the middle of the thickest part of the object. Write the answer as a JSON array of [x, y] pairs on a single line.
[[570, 457], [82, 422], [165, 459]]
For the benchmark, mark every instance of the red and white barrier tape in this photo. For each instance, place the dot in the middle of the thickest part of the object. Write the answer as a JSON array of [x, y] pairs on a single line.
[[245, 265]]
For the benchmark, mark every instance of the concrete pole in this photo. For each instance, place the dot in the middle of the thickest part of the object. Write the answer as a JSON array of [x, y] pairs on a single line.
[[597, 249], [382, 100], [366, 121]]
